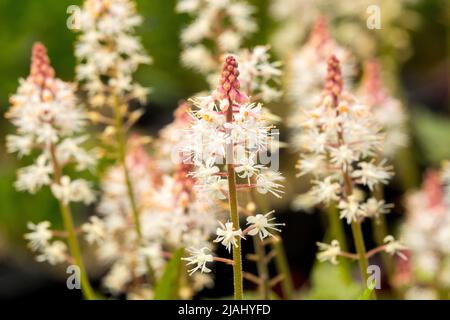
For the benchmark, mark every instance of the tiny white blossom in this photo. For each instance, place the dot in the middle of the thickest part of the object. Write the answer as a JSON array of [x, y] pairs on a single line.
[[33, 177], [199, 258], [94, 230], [350, 209], [53, 253], [393, 247], [325, 191], [329, 252], [227, 236], [39, 236], [78, 190], [374, 208], [371, 174], [261, 224]]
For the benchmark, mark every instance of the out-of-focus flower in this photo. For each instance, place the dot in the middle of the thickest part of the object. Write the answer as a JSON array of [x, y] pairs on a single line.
[[394, 247], [39, 236], [108, 48], [199, 258], [329, 252]]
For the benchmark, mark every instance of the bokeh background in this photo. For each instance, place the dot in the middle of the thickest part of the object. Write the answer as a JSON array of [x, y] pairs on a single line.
[[422, 81]]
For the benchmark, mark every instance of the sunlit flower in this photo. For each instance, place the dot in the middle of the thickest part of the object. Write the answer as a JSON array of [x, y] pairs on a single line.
[[394, 247], [54, 253]]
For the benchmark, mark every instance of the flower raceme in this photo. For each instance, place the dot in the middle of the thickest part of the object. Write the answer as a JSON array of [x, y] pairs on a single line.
[[339, 139], [47, 117], [49, 120], [226, 129]]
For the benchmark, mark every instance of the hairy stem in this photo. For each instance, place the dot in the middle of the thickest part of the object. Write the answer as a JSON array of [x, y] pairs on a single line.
[[234, 216]]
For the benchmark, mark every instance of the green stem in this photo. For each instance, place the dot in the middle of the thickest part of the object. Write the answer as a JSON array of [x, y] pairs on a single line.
[[282, 265], [121, 149], [74, 248], [361, 251], [72, 239], [337, 232], [263, 271], [234, 215], [281, 261]]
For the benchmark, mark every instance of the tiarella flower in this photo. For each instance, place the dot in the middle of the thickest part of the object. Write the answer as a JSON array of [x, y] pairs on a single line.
[[94, 230], [261, 224], [393, 247], [374, 208], [268, 181], [259, 74], [306, 75], [339, 140], [107, 47], [53, 253], [73, 191], [426, 232], [199, 258], [350, 209], [33, 177], [370, 174], [227, 236], [349, 21], [325, 191], [387, 111], [225, 23], [329, 252], [39, 236], [20, 144]]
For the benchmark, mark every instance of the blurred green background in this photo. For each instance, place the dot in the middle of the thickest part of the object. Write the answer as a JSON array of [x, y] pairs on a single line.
[[424, 80]]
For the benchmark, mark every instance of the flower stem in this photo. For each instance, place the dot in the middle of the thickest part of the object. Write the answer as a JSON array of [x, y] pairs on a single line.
[[263, 271], [121, 148], [74, 247], [234, 215], [72, 239], [283, 269]]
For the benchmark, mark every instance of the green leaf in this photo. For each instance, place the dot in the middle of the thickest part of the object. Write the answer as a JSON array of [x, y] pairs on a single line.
[[327, 283], [167, 287], [367, 294]]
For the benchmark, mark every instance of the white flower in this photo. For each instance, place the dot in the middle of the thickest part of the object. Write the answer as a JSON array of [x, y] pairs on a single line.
[[325, 191], [342, 156], [33, 177], [393, 247], [117, 277], [20, 144], [69, 149], [199, 258], [267, 181], [94, 230], [78, 190], [227, 236], [261, 224], [374, 208], [329, 252], [53, 253], [350, 209], [247, 168], [39, 236], [370, 174]]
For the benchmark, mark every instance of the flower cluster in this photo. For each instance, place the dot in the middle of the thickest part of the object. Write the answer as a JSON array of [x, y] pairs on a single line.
[[109, 52], [225, 23], [228, 130], [307, 71], [339, 139], [48, 119], [350, 21], [426, 232], [171, 216], [386, 110]]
